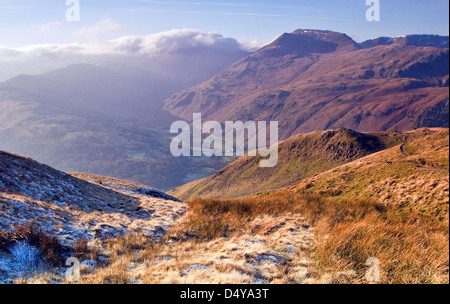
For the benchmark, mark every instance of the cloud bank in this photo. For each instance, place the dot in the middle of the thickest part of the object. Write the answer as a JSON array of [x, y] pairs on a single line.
[[36, 59]]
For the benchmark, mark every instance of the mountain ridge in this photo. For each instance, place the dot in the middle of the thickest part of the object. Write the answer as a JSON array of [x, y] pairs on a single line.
[[366, 89], [409, 40], [300, 156]]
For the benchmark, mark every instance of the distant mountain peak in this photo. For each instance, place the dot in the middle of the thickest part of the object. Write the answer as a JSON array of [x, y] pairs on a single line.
[[325, 35], [340, 39], [303, 42], [409, 40]]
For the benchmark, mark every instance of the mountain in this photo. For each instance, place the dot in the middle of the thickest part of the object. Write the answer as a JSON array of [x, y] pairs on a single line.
[[409, 40], [414, 176], [317, 80], [300, 156], [319, 230], [107, 118]]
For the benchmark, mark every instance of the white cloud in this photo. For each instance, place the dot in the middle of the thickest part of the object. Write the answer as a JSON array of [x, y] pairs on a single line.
[[253, 45], [35, 59], [172, 41]]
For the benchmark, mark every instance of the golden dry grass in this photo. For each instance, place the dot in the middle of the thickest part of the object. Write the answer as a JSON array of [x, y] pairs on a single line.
[[224, 238], [412, 247], [321, 230]]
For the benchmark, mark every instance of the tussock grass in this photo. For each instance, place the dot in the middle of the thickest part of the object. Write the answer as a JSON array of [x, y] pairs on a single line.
[[411, 247], [49, 247], [211, 218]]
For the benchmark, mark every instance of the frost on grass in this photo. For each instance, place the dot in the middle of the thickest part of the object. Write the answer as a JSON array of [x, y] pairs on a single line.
[[26, 257]]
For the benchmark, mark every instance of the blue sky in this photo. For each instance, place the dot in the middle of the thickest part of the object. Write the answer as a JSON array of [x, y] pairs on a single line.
[[24, 22]]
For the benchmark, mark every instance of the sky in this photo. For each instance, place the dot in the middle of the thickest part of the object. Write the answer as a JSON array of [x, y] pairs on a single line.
[[251, 22]]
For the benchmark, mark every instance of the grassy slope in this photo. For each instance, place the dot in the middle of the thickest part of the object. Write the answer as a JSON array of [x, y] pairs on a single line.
[[418, 181], [309, 232], [388, 205], [404, 222], [300, 156]]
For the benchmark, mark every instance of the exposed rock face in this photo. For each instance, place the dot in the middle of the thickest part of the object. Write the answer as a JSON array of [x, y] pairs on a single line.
[[436, 116]]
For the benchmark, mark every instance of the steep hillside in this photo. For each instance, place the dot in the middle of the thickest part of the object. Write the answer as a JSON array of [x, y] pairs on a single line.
[[71, 209], [411, 176], [435, 116], [391, 205], [317, 80], [300, 156]]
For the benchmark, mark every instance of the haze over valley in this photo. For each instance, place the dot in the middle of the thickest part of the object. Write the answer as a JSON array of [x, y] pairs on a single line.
[[112, 116]]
